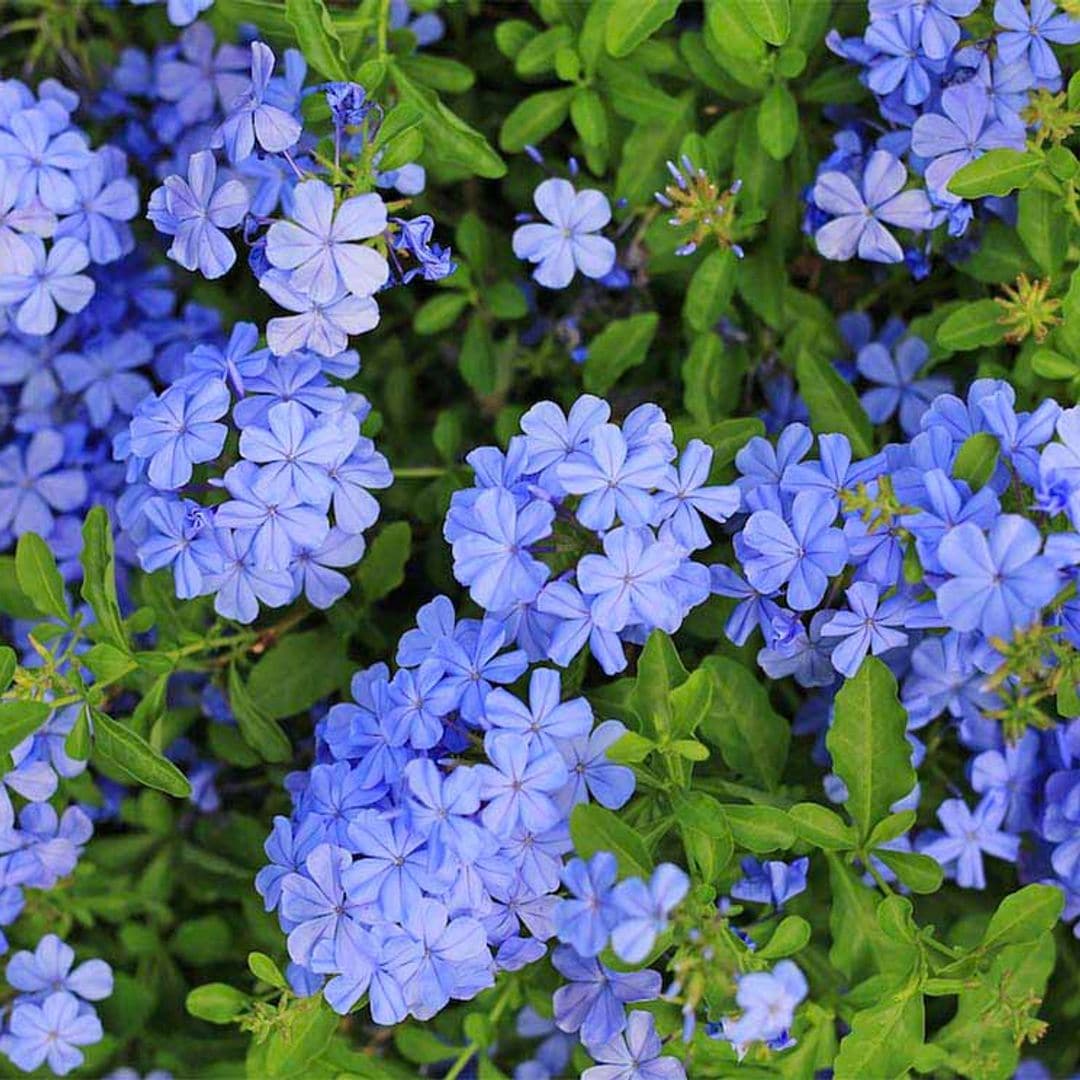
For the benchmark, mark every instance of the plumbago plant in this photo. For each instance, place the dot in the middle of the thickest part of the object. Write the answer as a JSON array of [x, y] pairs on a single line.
[[539, 541]]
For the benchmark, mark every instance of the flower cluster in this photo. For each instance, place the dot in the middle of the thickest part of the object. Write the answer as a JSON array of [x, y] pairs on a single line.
[[948, 98], [298, 486], [64, 395], [583, 531], [954, 581], [52, 1015], [425, 850], [334, 245], [55, 189]]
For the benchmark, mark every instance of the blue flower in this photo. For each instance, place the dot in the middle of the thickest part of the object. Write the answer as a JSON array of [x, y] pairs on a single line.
[[594, 999], [243, 582], [1028, 30], [50, 1033], [569, 242], [615, 481], [34, 485], [178, 534], [643, 909], [314, 905], [685, 495], [768, 1000], [586, 920], [268, 515], [630, 582], [252, 119], [107, 198], [48, 969], [320, 247], [967, 836], [858, 212], [803, 556], [576, 627], [1014, 774], [634, 1055], [901, 62], [295, 450], [491, 551], [42, 159], [53, 280], [103, 374], [999, 582], [179, 430], [870, 626], [518, 785], [773, 882], [322, 327], [195, 211], [546, 723], [965, 132]]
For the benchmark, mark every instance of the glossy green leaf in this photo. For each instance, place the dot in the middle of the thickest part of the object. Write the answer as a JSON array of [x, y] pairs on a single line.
[[868, 744], [39, 577]]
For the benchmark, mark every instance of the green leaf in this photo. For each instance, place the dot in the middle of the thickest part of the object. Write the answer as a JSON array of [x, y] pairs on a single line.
[[620, 346], [690, 705], [884, 1040], [997, 172], [728, 437], [262, 967], [260, 731], [788, 938], [971, 327], [589, 117], [860, 947], [1044, 227], [476, 361], [1050, 364], [630, 22], [659, 670], [299, 671], [124, 749], [977, 459], [39, 577], [759, 828], [217, 1003], [833, 404], [19, 720], [9, 663], [705, 833], [868, 744], [641, 167], [383, 568], [13, 601], [750, 735], [439, 72], [822, 827], [317, 37], [537, 56], [447, 138], [771, 19], [440, 312], [778, 121], [593, 829], [99, 577], [294, 1045], [108, 663], [920, 873], [535, 118], [711, 289], [1023, 916], [421, 1046], [631, 749]]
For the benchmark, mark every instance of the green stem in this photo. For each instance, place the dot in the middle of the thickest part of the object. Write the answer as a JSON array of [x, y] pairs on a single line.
[[420, 472], [382, 32], [473, 1048]]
